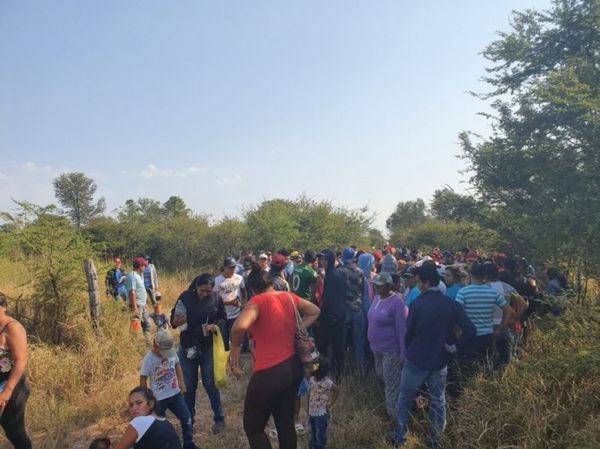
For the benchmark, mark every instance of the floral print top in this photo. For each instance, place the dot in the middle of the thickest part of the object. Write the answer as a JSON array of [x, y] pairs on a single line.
[[319, 395]]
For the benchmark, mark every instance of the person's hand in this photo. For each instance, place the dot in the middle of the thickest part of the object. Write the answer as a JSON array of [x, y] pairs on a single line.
[[183, 389], [234, 362], [4, 398], [212, 328]]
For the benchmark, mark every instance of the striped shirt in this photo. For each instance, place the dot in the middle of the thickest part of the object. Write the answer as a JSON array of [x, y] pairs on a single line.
[[478, 302]]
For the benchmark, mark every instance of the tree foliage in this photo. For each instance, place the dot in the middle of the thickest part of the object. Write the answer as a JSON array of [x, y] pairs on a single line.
[[53, 251], [448, 205], [75, 193], [540, 165], [407, 214]]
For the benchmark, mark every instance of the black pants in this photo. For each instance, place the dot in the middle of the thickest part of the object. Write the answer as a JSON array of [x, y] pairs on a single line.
[[332, 335], [13, 418], [272, 392]]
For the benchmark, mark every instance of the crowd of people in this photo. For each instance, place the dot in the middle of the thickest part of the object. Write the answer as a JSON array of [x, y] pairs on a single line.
[[423, 324]]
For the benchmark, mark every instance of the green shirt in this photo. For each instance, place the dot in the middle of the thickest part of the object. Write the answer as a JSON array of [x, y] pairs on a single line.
[[304, 280]]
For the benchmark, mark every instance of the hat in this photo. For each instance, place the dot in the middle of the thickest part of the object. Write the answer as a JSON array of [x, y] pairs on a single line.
[[382, 279], [294, 255], [229, 262], [263, 256], [278, 262], [164, 341], [348, 255], [409, 271], [139, 262], [377, 255]]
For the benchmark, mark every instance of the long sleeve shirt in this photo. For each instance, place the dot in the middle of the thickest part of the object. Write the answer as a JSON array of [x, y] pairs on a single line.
[[430, 325], [387, 325]]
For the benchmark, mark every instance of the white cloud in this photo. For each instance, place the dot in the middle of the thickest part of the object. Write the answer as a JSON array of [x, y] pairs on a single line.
[[46, 169], [152, 171], [225, 181]]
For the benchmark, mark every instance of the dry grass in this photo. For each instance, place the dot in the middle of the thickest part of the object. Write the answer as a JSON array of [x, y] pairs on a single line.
[[549, 399]]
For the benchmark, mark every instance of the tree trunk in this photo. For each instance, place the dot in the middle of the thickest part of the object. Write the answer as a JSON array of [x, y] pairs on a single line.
[[93, 290]]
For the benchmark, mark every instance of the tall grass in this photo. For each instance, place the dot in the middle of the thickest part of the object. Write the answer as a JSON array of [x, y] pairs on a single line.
[[550, 399]]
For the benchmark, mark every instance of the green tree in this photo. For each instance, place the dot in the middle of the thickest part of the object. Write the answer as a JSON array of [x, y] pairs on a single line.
[[407, 214], [175, 207], [448, 205], [539, 167], [75, 193]]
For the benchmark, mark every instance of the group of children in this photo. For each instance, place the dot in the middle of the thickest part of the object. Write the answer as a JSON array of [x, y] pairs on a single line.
[[161, 371]]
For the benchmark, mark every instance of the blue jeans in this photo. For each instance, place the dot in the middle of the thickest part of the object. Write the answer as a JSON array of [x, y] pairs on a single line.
[[204, 361], [317, 437], [355, 320], [179, 408], [412, 379]]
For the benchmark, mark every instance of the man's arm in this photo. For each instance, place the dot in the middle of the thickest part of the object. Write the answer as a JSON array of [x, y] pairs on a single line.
[[507, 318]]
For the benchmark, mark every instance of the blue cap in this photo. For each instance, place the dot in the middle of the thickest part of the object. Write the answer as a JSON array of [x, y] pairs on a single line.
[[348, 255]]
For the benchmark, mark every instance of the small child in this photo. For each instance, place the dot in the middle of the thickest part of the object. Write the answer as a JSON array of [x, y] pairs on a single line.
[[322, 393], [159, 318], [101, 443], [161, 365]]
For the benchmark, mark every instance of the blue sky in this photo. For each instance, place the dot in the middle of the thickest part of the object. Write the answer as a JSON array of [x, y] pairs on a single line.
[[229, 103]]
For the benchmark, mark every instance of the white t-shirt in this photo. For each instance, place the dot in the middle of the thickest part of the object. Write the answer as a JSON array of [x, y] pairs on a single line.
[[505, 290], [228, 289], [163, 379]]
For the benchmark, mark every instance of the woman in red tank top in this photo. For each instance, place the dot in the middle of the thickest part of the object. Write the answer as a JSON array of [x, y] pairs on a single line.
[[270, 318]]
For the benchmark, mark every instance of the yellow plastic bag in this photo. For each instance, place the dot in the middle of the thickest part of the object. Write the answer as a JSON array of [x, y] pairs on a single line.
[[220, 357]]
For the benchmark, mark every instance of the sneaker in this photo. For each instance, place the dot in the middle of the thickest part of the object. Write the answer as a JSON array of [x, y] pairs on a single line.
[[218, 427], [300, 429], [273, 433]]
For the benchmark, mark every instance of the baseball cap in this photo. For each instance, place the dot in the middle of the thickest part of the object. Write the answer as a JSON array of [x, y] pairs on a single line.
[[409, 271], [229, 262], [382, 279], [278, 262], [263, 256], [165, 343], [348, 255], [294, 255]]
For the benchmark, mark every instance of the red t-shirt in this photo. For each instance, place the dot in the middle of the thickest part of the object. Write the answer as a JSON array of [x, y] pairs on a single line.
[[273, 331]]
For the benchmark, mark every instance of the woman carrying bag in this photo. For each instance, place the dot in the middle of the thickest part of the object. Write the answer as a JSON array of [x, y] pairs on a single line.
[[199, 314], [270, 317]]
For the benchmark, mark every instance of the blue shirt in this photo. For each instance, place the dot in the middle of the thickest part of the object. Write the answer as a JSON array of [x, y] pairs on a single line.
[[478, 302], [430, 325], [135, 282], [412, 295], [452, 291]]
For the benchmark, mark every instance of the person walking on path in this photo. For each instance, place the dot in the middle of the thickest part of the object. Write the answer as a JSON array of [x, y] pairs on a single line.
[[137, 295], [161, 366], [271, 320], [198, 312], [14, 388]]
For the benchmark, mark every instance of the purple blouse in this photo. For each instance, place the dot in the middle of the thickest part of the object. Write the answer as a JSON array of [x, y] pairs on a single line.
[[387, 324]]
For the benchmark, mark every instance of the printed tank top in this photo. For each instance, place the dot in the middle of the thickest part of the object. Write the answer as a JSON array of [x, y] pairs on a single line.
[[6, 362]]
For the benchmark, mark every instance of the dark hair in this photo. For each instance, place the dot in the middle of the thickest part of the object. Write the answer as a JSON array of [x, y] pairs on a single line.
[[203, 279], [101, 443], [323, 369], [427, 272], [478, 270], [147, 393], [284, 252], [491, 270], [258, 279], [3, 300], [552, 273]]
